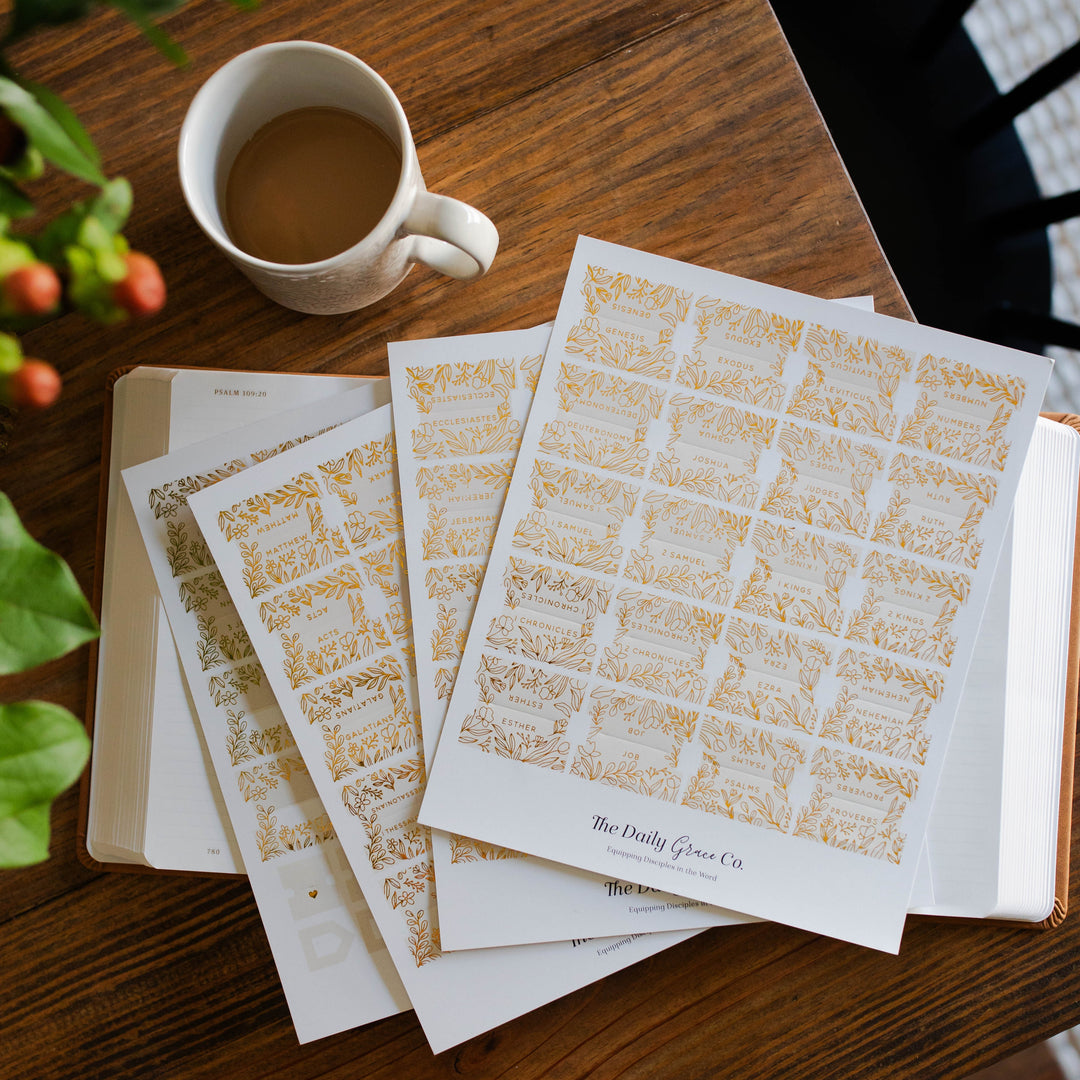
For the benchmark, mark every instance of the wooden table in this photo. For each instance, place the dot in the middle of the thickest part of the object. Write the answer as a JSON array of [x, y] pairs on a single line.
[[678, 126]]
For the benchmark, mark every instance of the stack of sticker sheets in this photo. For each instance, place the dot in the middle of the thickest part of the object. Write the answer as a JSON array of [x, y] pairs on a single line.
[[599, 634]]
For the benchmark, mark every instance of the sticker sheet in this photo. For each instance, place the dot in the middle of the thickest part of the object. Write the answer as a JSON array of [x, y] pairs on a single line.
[[309, 544], [777, 519], [334, 967], [460, 406]]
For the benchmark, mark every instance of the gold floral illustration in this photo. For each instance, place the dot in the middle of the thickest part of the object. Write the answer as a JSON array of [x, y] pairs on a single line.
[[907, 526], [374, 526], [686, 547], [435, 482], [448, 638], [388, 727], [593, 445], [746, 775], [739, 352], [771, 677], [258, 780], [540, 534], [628, 322], [921, 631], [867, 825], [900, 736], [577, 518], [423, 940], [238, 521], [462, 580], [500, 434], [266, 837], [218, 645], [549, 587], [167, 500], [535, 638], [609, 499], [530, 370], [483, 729], [445, 538], [464, 850], [962, 412], [713, 449], [427, 384], [243, 743], [363, 799], [723, 377], [401, 889], [185, 548], [273, 840], [299, 552], [621, 721], [346, 477], [317, 830], [798, 493], [536, 739], [746, 325], [851, 382], [267, 452], [797, 578], [227, 687]]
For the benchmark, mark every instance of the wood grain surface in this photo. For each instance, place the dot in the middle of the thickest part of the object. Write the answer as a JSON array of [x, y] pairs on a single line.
[[683, 128]]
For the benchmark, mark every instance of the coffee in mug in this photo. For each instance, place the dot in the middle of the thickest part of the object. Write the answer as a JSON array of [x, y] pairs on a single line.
[[365, 232], [309, 184]]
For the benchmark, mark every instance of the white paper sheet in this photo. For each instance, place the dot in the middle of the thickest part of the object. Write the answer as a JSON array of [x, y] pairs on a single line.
[[778, 519], [460, 406], [310, 546], [136, 803], [334, 967]]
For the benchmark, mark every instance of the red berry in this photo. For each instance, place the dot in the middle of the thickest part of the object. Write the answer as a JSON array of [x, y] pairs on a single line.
[[142, 292], [35, 385], [33, 289]]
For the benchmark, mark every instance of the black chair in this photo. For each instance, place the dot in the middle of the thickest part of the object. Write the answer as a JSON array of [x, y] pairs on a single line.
[[931, 149]]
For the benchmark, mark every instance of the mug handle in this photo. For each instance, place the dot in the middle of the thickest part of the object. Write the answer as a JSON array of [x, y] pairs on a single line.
[[451, 236]]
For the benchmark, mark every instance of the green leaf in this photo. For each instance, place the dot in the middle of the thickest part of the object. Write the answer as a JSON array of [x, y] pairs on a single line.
[[141, 13], [93, 235], [110, 267], [43, 749], [43, 613], [13, 254], [44, 132], [59, 233], [30, 166], [11, 354], [112, 206], [65, 117], [13, 203]]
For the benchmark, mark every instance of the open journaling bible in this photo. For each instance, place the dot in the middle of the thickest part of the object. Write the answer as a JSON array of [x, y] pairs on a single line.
[[994, 847]]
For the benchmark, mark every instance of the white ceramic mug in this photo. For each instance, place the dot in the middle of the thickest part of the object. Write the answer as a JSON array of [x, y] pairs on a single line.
[[258, 85]]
